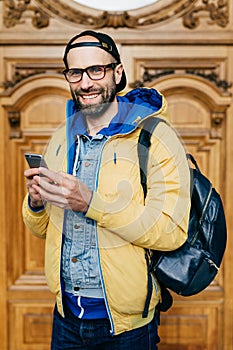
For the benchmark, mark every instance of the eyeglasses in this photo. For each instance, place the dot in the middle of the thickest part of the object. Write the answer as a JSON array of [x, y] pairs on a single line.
[[97, 72]]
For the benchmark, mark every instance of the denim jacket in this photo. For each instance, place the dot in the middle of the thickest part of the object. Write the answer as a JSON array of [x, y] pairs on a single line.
[[126, 223]]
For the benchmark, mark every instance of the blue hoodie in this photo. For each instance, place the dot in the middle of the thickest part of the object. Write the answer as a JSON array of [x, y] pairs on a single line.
[[139, 102]]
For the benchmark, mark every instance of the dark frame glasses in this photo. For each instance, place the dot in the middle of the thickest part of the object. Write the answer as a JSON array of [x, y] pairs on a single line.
[[96, 72]]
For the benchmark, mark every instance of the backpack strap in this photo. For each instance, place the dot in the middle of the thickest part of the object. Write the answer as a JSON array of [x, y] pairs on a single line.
[[143, 150], [143, 147]]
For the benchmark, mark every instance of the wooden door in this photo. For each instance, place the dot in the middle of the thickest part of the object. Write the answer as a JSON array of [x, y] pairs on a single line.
[[31, 113], [198, 112]]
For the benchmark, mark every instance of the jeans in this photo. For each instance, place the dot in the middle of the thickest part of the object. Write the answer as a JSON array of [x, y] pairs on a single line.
[[71, 333]]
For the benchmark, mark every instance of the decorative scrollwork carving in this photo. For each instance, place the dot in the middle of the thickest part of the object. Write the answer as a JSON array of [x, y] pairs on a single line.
[[18, 77], [217, 118], [209, 75], [213, 77], [14, 120], [218, 12], [22, 72], [186, 9], [14, 11], [116, 19], [217, 121], [149, 77]]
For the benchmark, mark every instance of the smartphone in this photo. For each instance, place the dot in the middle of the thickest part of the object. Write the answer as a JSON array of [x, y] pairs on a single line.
[[35, 160]]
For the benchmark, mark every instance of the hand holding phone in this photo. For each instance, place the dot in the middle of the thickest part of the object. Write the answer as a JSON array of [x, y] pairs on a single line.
[[35, 160]]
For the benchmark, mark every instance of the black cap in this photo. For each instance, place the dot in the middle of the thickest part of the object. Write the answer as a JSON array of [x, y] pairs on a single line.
[[105, 43]]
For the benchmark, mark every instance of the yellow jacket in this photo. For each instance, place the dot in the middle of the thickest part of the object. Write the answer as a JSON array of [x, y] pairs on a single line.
[[125, 224]]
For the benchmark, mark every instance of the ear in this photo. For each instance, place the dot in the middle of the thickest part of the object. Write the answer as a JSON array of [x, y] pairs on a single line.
[[118, 73]]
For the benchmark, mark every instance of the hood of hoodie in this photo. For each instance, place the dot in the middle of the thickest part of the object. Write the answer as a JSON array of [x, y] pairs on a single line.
[[133, 107]]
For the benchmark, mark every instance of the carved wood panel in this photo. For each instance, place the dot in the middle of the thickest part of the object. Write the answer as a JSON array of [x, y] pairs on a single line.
[[191, 12], [194, 104], [30, 324], [33, 108], [192, 326], [33, 105]]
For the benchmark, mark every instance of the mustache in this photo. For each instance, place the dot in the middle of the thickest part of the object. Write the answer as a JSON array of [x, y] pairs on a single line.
[[76, 94], [79, 92]]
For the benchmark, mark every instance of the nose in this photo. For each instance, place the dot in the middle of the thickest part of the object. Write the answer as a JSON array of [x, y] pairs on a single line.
[[86, 82]]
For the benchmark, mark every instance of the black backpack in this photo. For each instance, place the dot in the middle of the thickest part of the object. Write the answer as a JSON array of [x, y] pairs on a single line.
[[191, 268]]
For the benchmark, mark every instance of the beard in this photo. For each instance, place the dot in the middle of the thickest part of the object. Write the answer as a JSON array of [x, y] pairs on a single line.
[[95, 110]]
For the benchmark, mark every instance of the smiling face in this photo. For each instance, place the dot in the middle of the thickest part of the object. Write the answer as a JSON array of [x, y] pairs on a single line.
[[93, 97]]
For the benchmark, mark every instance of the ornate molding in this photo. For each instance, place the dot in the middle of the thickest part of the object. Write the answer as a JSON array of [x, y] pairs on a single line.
[[152, 14], [14, 121], [217, 118], [217, 9], [13, 12], [188, 10], [23, 71], [217, 121], [210, 75], [213, 77], [20, 76]]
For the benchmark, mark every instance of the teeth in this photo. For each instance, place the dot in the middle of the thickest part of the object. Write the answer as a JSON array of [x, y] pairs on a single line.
[[88, 97]]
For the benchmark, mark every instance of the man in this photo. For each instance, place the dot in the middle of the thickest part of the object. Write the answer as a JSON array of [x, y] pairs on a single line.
[[89, 204]]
